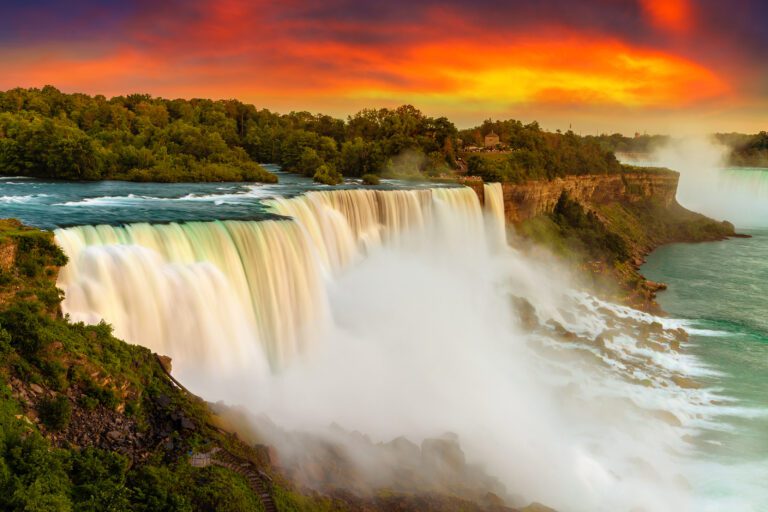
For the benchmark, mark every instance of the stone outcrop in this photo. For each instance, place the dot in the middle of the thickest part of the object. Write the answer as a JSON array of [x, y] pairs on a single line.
[[526, 200]]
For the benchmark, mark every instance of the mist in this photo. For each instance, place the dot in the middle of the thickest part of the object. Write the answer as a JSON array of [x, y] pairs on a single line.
[[425, 340], [428, 342], [709, 187]]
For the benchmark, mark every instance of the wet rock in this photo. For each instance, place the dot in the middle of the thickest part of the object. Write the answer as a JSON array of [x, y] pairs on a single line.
[[656, 347], [685, 382], [36, 389], [680, 334], [443, 455], [404, 450], [561, 331], [668, 418], [537, 507], [493, 500], [526, 313]]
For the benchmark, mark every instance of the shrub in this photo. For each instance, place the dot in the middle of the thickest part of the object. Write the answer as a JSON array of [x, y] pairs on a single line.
[[55, 413], [328, 175], [371, 179], [23, 321]]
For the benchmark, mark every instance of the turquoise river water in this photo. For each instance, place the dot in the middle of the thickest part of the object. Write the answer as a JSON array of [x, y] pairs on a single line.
[[721, 290]]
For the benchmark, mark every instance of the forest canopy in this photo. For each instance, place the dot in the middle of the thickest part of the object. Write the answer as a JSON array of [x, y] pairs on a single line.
[[528, 152], [50, 134]]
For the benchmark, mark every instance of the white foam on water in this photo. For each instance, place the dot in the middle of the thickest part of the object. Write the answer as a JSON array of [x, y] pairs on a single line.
[[22, 199], [252, 192]]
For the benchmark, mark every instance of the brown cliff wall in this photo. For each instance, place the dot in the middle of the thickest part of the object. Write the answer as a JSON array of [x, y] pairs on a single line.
[[638, 207], [523, 201]]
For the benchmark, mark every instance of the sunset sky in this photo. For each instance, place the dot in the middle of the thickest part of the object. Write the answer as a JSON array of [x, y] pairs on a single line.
[[598, 65]]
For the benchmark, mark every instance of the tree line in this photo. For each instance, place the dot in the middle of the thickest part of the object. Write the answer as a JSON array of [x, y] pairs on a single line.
[[533, 153], [743, 150], [46, 133], [746, 150], [49, 134]]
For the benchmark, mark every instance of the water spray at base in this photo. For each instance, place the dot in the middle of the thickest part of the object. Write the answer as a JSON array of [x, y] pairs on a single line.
[[402, 314]]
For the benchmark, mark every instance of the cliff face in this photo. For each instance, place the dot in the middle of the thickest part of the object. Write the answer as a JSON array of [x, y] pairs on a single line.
[[523, 201], [633, 212]]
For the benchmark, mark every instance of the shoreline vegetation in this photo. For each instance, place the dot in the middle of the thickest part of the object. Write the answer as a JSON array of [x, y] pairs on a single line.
[[606, 242]]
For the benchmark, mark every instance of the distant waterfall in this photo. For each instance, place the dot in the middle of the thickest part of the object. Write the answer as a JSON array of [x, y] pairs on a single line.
[[246, 294]]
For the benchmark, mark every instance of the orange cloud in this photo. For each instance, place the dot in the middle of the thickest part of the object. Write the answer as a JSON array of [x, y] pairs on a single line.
[[672, 15], [237, 48], [498, 75], [493, 74]]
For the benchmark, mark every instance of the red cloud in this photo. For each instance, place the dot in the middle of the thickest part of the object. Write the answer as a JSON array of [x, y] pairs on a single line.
[[672, 15], [278, 56]]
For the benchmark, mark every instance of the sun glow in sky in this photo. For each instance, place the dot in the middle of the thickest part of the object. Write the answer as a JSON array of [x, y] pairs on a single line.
[[600, 65]]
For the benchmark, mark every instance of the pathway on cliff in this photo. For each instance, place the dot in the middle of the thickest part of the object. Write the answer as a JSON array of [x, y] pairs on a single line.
[[258, 481]]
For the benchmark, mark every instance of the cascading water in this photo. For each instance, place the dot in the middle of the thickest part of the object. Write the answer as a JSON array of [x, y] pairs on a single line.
[[266, 277], [402, 313], [249, 283]]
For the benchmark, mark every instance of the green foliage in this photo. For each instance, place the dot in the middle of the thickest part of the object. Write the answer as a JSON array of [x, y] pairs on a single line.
[[44, 133], [99, 481], [576, 233], [55, 412], [489, 169], [536, 154], [87, 362], [328, 175], [371, 179], [618, 143], [24, 321], [182, 489], [746, 150], [309, 162], [289, 501], [596, 239]]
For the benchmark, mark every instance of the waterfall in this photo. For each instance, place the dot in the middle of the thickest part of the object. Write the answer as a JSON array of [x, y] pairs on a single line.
[[396, 313], [494, 205], [708, 186], [244, 294], [342, 223]]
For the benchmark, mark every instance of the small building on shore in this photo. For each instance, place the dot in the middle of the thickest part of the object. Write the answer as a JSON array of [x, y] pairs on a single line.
[[491, 140]]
